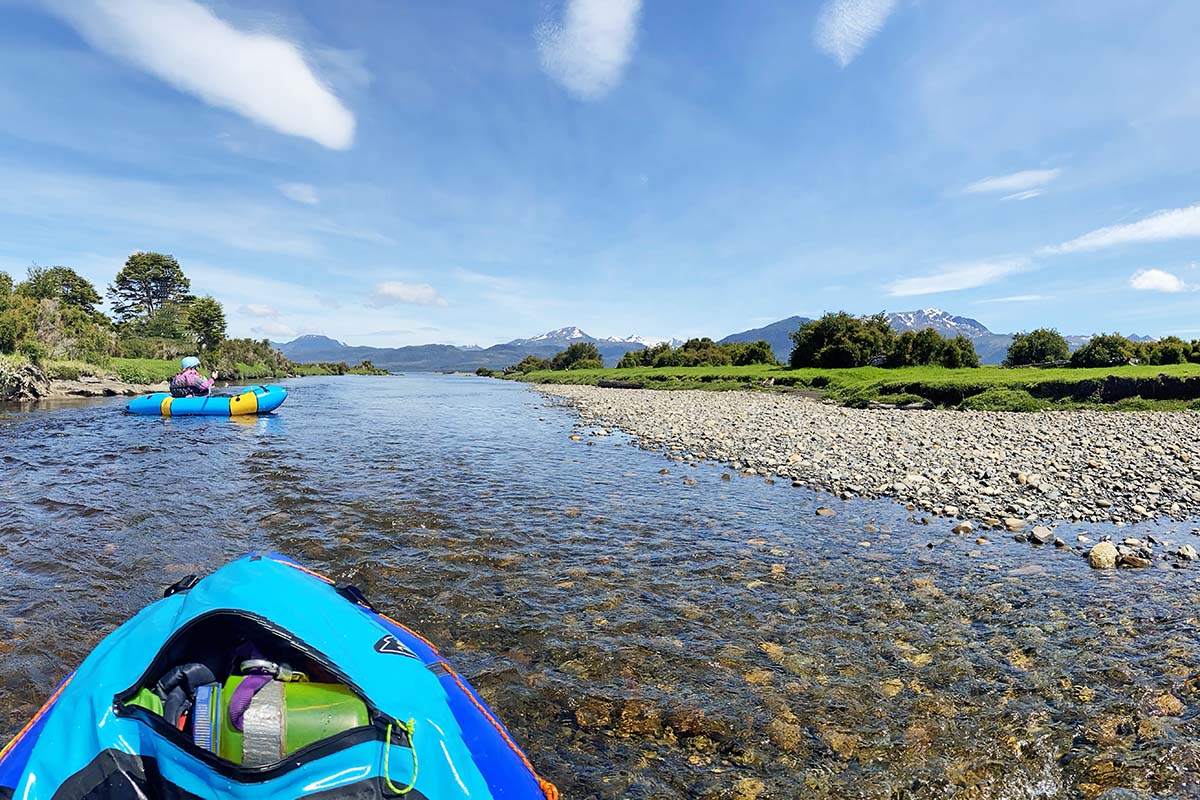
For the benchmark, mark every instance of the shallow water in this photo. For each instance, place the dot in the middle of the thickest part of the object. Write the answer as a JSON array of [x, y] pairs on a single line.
[[642, 634]]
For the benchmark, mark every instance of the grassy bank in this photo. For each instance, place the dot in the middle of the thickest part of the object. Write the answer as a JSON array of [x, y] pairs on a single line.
[[156, 370], [985, 388]]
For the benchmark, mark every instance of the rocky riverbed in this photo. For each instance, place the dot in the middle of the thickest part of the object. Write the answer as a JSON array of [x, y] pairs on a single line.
[[989, 469]]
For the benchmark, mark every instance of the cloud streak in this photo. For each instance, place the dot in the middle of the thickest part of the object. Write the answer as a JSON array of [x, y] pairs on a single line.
[[392, 292], [844, 27], [300, 192], [588, 50], [262, 77], [1018, 186], [959, 276], [1161, 226], [1158, 280], [1015, 298]]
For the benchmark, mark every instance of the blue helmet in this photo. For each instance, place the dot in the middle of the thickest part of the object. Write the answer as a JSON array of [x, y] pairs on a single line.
[[189, 361]]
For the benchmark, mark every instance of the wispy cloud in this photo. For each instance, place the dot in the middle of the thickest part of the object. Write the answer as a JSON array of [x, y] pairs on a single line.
[[260, 76], [300, 192], [1016, 298], [257, 310], [274, 329], [959, 276], [1158, 280], [844, 27], [587, 51], [392, 292], [1161, 226], [1018, 186]]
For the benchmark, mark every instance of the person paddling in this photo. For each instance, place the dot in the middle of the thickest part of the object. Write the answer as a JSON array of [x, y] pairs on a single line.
[[189, 382]]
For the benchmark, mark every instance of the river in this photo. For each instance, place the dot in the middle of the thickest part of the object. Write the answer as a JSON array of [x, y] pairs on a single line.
[[642, 633]]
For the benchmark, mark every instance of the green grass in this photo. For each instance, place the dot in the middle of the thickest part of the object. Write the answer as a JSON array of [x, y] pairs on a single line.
[[993, 388], [144, 370]]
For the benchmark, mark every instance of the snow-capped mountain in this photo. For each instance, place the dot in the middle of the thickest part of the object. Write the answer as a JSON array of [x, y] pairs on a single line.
[[572, 333], [943, 322]]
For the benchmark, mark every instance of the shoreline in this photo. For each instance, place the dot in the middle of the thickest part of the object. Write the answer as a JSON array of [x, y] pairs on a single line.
[[1007, 472]]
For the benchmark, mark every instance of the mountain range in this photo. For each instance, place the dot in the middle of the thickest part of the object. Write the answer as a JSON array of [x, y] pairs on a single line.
[[990, 346]]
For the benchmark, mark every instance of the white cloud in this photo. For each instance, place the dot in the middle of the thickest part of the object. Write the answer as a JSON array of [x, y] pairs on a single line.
[[588, 50], [274, 329], [958, 276], [1025, 184], [392, 292], [1157, 280], [258, 75], [300, 192], [1016, 298], [845, 26], [257, 310], [1161, 226]]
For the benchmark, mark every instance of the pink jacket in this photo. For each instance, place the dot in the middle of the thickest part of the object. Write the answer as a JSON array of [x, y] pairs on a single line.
[[189, 383]]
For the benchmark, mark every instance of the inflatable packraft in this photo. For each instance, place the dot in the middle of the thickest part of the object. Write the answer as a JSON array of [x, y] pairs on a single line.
[[256, 400], [264, 680]]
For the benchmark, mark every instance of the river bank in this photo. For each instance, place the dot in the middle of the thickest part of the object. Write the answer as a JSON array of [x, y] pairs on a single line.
[[993, 470], [1144, 387]]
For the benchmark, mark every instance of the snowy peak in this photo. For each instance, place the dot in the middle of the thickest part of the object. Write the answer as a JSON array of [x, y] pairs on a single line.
[[943, 322], [569, 334]]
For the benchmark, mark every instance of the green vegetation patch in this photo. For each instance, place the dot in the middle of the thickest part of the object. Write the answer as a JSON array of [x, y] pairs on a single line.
[[1004, 399]]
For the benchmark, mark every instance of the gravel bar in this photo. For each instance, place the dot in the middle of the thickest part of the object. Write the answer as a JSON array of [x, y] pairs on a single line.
[[1094, 466]]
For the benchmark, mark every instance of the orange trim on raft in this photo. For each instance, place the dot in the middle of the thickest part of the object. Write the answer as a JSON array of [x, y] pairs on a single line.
[[548, 788], [165, 406], [34, 719]]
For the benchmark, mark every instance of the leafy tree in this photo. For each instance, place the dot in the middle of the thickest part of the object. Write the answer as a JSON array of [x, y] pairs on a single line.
[[759, 352], [147, 283], [59, 283], [587, 363], [1105, 350], [958, 353], [6, 285], [1169, 350], [1036, 347], [841, 340], [205, 320], [530, 364], [576, 352], [167, 322]]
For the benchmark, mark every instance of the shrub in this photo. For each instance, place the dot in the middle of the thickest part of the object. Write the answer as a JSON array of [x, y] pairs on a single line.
[[841, 340], [1135, 403], [576, 352], [1170, 350], [587, 363], [999, 399], [485, 372], [1105, 350], [529, 364], [1039, 346]]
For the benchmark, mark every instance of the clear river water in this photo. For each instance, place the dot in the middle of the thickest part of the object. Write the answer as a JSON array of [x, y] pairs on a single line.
[[642, 633]]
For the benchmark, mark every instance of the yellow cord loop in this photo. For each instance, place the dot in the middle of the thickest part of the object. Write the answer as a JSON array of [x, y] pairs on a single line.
[[409, 728]]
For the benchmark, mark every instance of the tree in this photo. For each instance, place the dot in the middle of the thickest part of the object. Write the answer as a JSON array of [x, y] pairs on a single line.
[[146, 283], [841, 340], [205, 320], [1036, 347], [1170, 350], [59, 283], [752, 353], [958, 353], [6, 285], [529, 364], [1105, 350], [576, 352]]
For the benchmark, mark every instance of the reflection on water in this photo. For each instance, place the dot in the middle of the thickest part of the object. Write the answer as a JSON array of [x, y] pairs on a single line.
[[642, 634]]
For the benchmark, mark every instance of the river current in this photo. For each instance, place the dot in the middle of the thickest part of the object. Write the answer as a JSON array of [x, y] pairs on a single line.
[[644, 628]]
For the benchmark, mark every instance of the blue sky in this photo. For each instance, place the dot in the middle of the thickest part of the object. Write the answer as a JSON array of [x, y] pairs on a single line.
[[394, 173]]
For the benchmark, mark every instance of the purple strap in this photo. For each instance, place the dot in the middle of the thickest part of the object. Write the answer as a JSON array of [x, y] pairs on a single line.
[[242, 696]]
